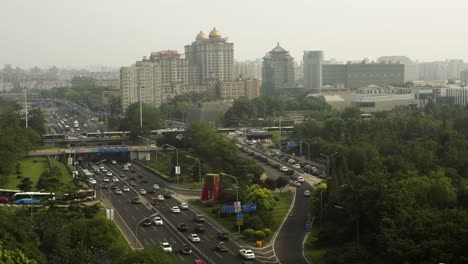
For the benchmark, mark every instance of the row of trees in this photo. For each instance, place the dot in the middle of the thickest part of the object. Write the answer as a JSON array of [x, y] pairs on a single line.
[[399, 186], [247, 112], [67, 235]]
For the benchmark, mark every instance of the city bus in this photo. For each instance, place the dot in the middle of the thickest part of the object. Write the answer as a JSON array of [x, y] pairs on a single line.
[[32, 198]]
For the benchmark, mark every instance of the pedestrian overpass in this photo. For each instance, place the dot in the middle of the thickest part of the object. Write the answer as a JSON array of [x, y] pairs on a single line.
[[135, 152]]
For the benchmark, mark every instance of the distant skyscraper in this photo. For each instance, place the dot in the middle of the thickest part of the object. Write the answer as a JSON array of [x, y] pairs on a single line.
[[312, 63], [454, 69], [464, 78], [277, 71], [213, 55]]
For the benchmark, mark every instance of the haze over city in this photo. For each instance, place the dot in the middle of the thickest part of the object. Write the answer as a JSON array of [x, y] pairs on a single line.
[[116, 33]]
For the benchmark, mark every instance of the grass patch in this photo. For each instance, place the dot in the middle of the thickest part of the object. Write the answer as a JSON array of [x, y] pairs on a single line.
[[314, 253], [119, 240], [29, 167]]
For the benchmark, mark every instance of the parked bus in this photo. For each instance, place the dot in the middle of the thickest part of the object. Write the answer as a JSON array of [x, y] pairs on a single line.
[[32, 197]]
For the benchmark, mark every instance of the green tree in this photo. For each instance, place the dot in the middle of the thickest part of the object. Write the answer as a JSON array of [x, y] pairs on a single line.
[[25, 184], [260, 196], [148, 256]]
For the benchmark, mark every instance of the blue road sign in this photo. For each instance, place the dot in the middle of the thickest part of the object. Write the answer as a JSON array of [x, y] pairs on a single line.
[[249, 207], [293, 144], [308, 227], [239, 217], [228, 209]]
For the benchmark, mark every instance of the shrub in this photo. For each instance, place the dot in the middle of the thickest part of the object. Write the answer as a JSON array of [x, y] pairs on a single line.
[[259, 235], [209, 204], [248, 233], [267, 231], [215, 211], [19, 176], [255, 222]]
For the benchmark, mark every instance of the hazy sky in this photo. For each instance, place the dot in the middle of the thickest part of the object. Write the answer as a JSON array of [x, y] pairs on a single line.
[[117, 33]]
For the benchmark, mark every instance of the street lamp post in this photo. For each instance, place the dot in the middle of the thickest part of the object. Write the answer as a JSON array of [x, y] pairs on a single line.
[[155, 151], [138, 224], [177, 159], [357, 222], [199, 168], [237, 192]]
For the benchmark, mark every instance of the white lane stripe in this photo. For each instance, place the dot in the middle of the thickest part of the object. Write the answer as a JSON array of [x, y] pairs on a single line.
[[217, 254], [154, 243]]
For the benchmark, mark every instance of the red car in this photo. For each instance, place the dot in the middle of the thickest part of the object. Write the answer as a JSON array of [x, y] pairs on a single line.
[[5, 200]]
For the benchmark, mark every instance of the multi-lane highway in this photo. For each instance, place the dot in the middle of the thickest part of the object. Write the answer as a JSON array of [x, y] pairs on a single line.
[[152, 236]]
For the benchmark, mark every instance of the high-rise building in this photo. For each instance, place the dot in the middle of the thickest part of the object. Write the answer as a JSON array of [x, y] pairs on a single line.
[[411, 68], [213, 55], [356, 75], [432, 71], [208, 63], [464, 78], [277, 71], [312, 64], [454, 69]]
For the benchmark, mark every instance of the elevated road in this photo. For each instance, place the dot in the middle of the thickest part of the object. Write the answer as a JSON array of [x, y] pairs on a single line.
[[82, 150]]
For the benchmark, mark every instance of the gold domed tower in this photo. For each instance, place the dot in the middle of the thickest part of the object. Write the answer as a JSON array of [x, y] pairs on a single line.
[[215, 33], [201, 36]]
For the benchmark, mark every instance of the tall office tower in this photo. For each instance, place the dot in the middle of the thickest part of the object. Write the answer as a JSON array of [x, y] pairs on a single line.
[[173, 68], [141, 82], [464, 77], [277, 71], [312, 63], [214, 57], [454, 69]]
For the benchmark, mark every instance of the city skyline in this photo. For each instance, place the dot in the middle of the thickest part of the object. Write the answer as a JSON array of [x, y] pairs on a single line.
[[114, 33]]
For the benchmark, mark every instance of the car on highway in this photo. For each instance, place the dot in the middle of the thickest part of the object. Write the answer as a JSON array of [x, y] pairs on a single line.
[[300, 179], [5, 200], [186, 249], [296, 184], [284, 169], [296, 166], [92, 181], [118, 191], [125, 168], [222, 247], [103, 170], [194, 238], [160, 198], [142, 191], [182, 227], [184, 206], [199, 219], [147, 222], [246, 253], [199, 228], [307, 193], [167, 195], [152, 191], [115, 179], [132, 183], [166, 247], [135, 200], [113, 186], [222, 236], [105, 179], [156, 186], [126, 188], [109, 173], [104, 186], [175, 209], [158, 221], [114, 162]]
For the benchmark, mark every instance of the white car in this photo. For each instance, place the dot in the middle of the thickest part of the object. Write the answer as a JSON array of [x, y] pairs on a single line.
[[300, 179], [166, 247], [296, 184], [247, 253], [296, 166], [184, 206], [126, 188], [142, 191], [175, 209], [128, 164], [291, 161], [156, 186], [118, 191], [194, 238], [125, 168], [158, 221], [114, 162], [92, 181], [105, 179], [283, 169], [104, 170], [160, 198], [115, 179]]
